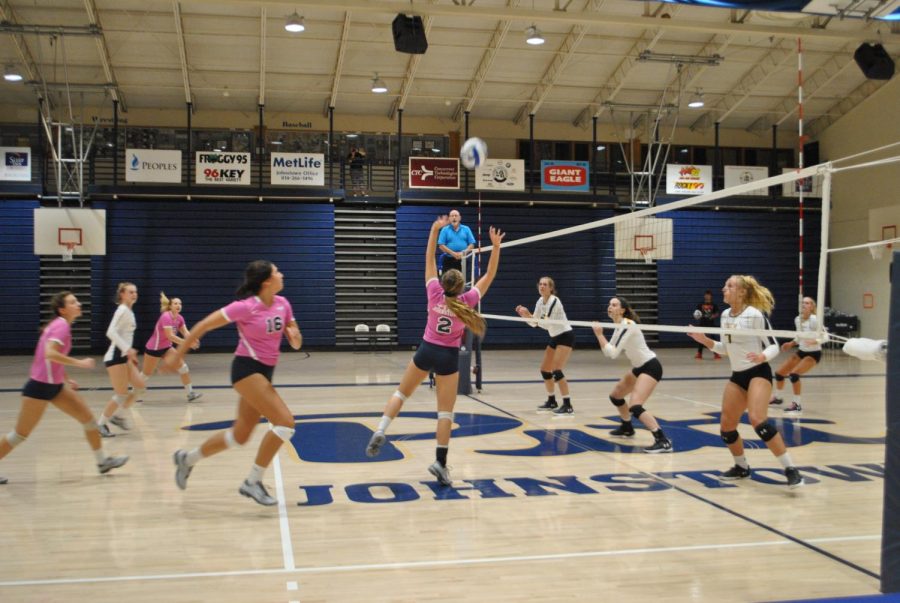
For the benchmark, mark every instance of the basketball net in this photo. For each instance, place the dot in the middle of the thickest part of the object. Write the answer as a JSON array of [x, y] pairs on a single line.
[[647, 253], [68, 252]]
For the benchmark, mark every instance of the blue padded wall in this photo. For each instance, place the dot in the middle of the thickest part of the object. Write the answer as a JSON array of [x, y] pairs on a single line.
[[582, 266], [198, 251], [20, 275], [710, 246]]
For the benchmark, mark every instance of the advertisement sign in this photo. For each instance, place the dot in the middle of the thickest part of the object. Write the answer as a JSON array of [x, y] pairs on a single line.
[[688, 179], [213, 167], [148, 165], [811, 185], [565, 176], [500, 175], [16, 164], [299, 169], [431, 172], [744, 174]]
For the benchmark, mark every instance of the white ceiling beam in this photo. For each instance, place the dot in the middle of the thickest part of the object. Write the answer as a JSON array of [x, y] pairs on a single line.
[[769, 64], [31, 68], [103, 50], [339, 64], [843, 106], [262, 56], [505, 13], [552, 73], [182, 51], [484, 66]]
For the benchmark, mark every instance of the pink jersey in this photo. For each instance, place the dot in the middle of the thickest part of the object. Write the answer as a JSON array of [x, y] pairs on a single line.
[[260, 327], [159, 341], [444, 328], [60, 331]]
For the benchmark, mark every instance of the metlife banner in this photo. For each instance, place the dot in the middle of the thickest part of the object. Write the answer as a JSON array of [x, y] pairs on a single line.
[[16, 164], [298, 169], [222, 168], [501, 175], [146, 165]]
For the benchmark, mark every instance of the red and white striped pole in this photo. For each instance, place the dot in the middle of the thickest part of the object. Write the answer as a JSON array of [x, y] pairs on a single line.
[[800, 141]]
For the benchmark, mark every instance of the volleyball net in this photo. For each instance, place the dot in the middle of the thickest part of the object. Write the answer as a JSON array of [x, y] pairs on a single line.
[[657, 234]]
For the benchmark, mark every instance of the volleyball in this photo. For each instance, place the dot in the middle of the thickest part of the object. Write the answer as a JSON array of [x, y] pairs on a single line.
[[697, 314], [473, 153]]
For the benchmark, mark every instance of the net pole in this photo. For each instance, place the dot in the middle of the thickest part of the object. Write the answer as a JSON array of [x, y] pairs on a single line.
[[477, 341], [800, 142]]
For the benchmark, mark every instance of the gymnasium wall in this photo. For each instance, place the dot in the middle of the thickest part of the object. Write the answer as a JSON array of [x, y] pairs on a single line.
[[198, 251], [19, 276], [870, 124]]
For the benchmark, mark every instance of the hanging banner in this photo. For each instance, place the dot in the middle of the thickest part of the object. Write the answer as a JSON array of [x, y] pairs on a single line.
[[150, 165], [572, 176], [688, 179], [299, 169], [744, 174], [222, 168], [16, 164], [431, 172], [811, 185], [500, 175]]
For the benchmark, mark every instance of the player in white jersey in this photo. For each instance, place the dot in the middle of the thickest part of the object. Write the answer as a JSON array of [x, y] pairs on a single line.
[[750, 386], [49, 384], [640, 381], [121, 361], [170, 330], [559, 348], [808, 355], [263, 319]]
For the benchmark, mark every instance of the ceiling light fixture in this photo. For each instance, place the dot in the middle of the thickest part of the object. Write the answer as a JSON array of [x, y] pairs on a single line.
[[11, 74], [533, 35], [696, 101], [294, 23], [683, 59], [378, 85]]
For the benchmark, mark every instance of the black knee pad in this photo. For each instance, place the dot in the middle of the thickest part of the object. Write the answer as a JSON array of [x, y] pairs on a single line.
[[794, 377], [617, 401], [766, 431], [730, 437], [636, 411], [779, 377], [546, 375], [558, 375]]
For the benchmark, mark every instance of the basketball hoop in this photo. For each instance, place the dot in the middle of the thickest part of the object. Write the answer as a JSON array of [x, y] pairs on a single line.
[[68, 252], [647, 254], [877, 251]]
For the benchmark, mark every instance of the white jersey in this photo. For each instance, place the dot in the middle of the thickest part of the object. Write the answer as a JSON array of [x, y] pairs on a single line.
[[629, 339], [737, 346], [808, 325], [120, 332], [553, 310]]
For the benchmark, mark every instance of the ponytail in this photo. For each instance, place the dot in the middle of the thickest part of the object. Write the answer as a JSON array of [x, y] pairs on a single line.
[[453, 285], [756, 295], [256, 273], [627, 310], [163, 302]]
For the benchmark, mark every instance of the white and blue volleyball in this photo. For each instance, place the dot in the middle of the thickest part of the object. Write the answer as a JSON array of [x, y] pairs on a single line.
[[473, 153]]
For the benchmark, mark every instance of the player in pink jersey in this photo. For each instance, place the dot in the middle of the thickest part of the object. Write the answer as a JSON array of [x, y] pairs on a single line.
[[262, 318], [48, 384], [450, 311], [121, 361], [166, 332]]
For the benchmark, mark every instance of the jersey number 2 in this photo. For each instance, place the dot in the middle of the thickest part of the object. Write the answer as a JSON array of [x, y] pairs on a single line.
[[444, 325]]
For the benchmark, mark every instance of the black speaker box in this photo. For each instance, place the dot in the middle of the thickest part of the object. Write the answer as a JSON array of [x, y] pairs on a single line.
[[409, 35], [874, 61]]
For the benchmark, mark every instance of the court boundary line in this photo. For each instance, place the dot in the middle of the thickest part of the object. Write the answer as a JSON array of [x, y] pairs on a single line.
[[712, 503], [424, 564]]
